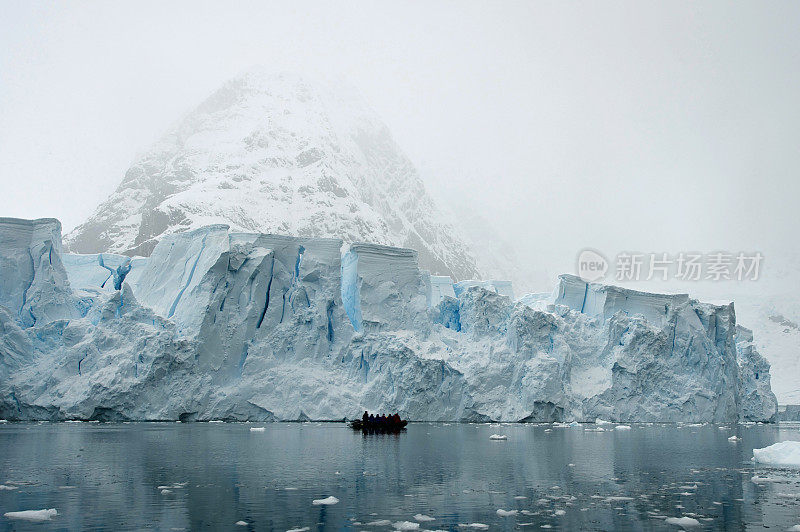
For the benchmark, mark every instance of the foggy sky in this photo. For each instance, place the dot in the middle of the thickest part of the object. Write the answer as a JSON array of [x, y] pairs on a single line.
[[615, 125]]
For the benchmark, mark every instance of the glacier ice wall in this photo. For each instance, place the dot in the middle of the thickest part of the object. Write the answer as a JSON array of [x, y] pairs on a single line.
[[246, 326]]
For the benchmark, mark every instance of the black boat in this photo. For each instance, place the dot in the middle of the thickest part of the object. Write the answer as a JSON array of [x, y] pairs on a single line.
[[378, 427]]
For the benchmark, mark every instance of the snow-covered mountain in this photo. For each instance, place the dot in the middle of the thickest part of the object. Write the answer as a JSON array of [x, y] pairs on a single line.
[[277, 153]]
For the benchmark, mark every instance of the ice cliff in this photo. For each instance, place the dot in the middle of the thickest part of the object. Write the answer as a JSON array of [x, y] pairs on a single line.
[[218, 324]]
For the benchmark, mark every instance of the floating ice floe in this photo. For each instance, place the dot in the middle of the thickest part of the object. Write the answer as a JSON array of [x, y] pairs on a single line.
[[599, 421], [166, 492], [304, 529], [685, 522], [795, 528], [785, 453], [422, 517], [405, 525], [327, 501], [506, 513], [380, 522], [241, 523], [560, 512], [762, 480], [3, 487], [479, 526], [33, 515], [622, 427], [3, 421], [257, 429], [734, 438], [498, 437]]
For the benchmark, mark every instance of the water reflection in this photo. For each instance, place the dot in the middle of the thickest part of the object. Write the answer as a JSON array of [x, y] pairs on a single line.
[[192, 476]]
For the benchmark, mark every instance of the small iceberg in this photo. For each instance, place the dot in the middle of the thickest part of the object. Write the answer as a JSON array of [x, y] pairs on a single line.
[[405, 525], [257, 429], [478, 526], [599, 421], [785, 453], [685, 522], [498, 437], [37, 516], [506, 513], [423, 518], [327, 501], [622, 427], [241, 523], [734, 438]]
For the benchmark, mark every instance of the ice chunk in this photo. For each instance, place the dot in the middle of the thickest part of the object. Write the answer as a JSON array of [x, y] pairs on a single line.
[[499, 287], [685, 522], [441, 286], [33, 515], [622, 427], [241, 523], [424, 518], [405, 525], [4, 487], [734, 438], [380, 522], [327, 501], [498, 437], [257, 429], [506, 513], [785, 453], [478, 526]]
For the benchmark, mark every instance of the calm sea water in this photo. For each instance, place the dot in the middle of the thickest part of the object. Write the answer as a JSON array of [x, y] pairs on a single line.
[[211, 476]]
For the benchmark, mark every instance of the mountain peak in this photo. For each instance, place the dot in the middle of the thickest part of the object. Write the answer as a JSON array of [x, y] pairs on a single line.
[[277, 153]]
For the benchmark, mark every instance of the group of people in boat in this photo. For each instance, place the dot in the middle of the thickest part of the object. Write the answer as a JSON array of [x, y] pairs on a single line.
[[381, 419]]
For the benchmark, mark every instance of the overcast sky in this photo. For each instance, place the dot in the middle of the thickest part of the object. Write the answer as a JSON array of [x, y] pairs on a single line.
[[616, 125]]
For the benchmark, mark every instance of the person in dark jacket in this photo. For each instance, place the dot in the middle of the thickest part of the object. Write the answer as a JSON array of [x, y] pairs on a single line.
[[365, 417]]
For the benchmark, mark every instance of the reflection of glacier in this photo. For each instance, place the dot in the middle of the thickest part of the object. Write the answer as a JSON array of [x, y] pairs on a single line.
[[223, 325]]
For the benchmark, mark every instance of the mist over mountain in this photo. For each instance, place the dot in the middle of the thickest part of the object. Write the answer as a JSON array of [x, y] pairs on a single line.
[[278, 153]]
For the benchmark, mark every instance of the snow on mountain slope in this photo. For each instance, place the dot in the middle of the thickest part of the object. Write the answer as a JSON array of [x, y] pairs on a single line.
[[275, 153]]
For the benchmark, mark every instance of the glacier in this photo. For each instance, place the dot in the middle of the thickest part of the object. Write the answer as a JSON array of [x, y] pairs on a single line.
[[219, 324]]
